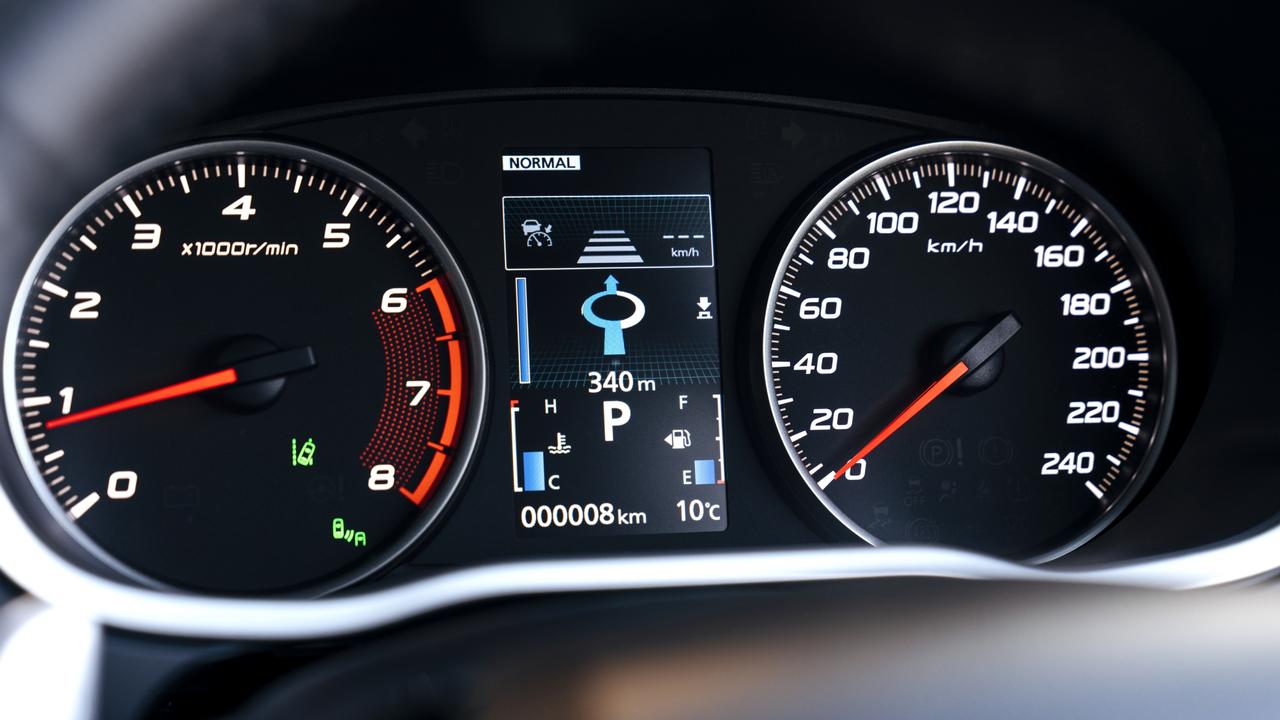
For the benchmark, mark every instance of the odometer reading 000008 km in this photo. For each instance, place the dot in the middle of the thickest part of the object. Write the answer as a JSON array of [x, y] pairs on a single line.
[[965, 345], [244, 367]]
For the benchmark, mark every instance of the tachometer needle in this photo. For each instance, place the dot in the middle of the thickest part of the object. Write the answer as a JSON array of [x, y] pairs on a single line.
[[257, 369], [979, 352]]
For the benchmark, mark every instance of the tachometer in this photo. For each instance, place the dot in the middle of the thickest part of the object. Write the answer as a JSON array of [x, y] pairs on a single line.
[[964, 344], [244, 367]]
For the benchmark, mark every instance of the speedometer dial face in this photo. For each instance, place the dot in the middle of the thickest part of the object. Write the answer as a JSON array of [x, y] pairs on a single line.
[[244, 367], [963, 344]]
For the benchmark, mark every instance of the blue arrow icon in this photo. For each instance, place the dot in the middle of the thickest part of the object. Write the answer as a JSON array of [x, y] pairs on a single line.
[[614, 344]]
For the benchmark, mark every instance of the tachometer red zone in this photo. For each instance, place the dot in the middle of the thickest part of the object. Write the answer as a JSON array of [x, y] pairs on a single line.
[[423, 402]]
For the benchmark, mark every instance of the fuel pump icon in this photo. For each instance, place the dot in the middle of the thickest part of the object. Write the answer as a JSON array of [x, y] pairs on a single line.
[[614, 344]]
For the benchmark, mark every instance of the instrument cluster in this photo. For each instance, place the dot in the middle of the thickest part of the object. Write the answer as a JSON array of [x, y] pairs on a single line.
[[350, 347]]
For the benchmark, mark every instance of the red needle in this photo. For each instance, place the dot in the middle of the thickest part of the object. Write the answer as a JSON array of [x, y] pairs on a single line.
[[264, 367], [930, 394], [187, 387], [979, 352]]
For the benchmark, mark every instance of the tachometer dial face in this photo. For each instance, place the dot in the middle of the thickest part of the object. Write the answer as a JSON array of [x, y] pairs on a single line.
[[965, 345], [244, 367]]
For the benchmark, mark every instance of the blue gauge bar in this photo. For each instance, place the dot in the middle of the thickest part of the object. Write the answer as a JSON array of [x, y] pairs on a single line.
[[535, 474], [522, 329]]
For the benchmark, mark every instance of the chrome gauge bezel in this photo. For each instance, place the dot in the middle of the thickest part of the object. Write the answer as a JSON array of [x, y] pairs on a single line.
[[861, 172], [477, 360]]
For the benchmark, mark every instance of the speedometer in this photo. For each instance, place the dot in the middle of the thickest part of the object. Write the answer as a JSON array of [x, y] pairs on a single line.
[[244, 367], [964, 344]]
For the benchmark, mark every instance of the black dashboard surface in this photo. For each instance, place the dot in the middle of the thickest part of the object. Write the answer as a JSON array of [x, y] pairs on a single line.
[[766, 154], [770, 152], [1165, 111]]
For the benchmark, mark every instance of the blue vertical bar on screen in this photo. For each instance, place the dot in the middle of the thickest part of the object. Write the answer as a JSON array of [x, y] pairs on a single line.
[[704, 472], [535, 479], [522, 328]]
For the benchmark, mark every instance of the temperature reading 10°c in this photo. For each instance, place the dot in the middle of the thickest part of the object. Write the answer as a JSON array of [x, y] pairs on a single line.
[[698, 510]]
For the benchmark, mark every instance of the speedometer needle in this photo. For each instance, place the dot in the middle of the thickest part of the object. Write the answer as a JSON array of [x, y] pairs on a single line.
[[264, 367], [978, 353]]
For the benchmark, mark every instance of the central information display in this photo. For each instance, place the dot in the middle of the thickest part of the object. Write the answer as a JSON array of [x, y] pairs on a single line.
[[615, 412]]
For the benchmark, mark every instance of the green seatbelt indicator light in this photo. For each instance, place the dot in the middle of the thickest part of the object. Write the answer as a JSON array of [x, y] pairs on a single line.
[[342, 532], [306, 457]]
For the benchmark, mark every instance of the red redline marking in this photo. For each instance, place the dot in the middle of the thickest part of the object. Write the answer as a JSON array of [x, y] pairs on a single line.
[[930, 394], [186, 387], [455, 364], [444, 338], [442, 303], [450, 433], [428, 480]]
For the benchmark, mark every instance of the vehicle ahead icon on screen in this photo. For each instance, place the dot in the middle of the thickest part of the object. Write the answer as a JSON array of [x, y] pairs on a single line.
[[535, 235]]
